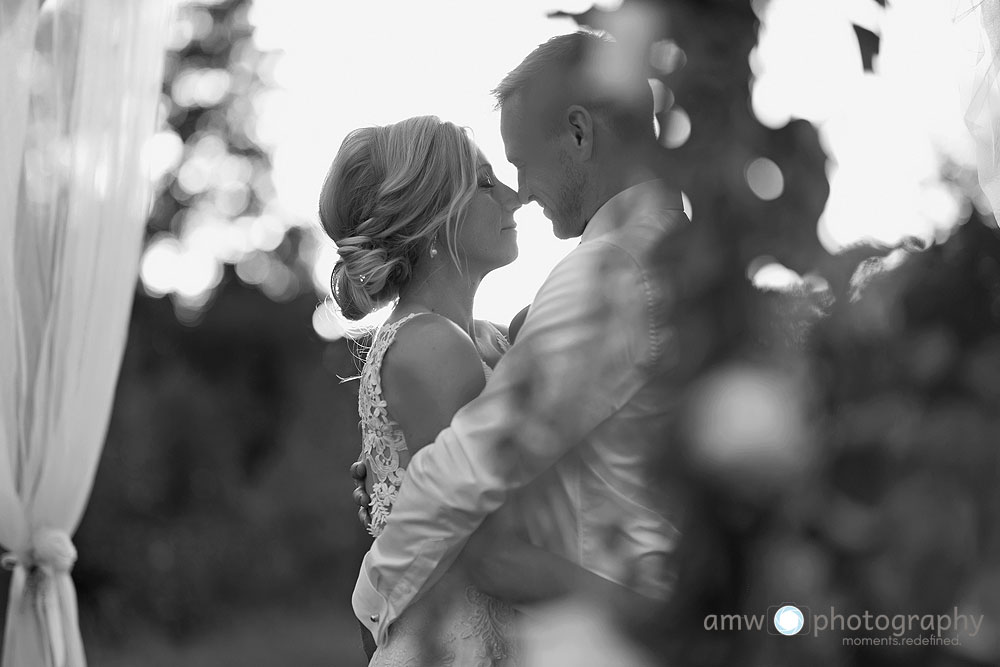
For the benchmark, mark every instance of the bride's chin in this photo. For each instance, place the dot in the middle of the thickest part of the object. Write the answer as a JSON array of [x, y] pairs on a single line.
[[512, 255]]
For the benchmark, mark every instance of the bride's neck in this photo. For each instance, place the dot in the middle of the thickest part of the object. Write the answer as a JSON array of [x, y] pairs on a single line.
[[444, 290]]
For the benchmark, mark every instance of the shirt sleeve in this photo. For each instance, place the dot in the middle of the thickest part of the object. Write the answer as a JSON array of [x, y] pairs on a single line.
[[583, 352]]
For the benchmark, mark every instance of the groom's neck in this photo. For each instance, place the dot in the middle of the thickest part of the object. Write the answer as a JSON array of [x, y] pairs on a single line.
[[622, 169]]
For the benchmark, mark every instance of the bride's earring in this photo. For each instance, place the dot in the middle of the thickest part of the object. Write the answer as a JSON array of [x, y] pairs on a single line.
[[433, 252]]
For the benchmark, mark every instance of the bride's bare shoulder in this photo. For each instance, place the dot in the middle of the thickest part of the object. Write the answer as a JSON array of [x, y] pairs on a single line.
[[428, 373], [429, 350]]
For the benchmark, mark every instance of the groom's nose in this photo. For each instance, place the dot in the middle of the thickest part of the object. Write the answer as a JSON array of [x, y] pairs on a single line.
[[523, 193]]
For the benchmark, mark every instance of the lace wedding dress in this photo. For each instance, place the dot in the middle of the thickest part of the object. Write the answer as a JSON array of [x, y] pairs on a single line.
[[453, 623]]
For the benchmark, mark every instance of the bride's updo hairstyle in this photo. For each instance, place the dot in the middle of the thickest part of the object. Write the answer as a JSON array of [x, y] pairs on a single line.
[[389, 193]]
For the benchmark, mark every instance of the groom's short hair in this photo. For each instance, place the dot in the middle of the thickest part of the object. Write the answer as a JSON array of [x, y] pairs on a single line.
[[592, 68]]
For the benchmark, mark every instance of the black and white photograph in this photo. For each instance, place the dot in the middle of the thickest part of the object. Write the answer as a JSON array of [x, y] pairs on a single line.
[[500, 333]]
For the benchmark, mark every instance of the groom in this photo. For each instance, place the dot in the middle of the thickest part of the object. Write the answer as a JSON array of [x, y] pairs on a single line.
[[573, 412]]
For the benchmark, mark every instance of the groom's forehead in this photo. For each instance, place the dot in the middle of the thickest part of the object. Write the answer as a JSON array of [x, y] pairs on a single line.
[[512, 113], [519, 119]]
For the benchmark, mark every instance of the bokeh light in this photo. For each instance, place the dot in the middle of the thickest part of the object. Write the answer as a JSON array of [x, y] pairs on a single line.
[[291, 94], [765, 179], [768, 274], [888, 132], [677, 128], [748, 428], [666, 56]]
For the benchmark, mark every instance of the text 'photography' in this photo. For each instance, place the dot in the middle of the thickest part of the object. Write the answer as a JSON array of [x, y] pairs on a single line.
[[631, 332]]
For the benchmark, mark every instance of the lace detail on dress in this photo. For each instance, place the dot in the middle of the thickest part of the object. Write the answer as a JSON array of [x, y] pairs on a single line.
[[475, 630], [491, 622], [381, 439], [444, 627]]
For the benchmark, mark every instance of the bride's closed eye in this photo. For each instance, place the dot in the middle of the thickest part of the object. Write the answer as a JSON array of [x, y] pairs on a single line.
[[486, 181]]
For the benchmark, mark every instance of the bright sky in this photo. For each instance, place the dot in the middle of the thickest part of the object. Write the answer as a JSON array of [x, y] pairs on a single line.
[[352, 64]]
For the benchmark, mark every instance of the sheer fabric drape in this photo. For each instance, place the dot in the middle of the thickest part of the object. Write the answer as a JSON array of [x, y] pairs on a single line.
[[80, 84], [978, 32]]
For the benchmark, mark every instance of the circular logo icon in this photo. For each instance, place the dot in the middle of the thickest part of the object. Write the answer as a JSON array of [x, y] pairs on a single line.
[[788, 620]]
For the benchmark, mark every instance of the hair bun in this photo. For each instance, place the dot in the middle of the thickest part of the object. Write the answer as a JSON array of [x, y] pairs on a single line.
[[366, 276], [388, 193]]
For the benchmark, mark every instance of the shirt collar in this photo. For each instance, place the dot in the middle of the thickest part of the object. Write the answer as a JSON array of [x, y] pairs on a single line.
[[649, 197]]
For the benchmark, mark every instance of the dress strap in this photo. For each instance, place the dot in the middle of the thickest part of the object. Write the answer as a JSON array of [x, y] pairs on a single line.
[[394, 326]]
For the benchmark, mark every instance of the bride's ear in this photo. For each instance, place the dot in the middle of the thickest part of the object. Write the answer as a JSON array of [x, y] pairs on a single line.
[[581, 127]]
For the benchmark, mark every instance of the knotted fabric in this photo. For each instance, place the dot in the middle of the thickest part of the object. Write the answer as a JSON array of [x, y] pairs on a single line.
[[80, 84]]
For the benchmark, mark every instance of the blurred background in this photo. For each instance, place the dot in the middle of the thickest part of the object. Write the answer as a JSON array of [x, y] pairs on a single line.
[[824, 158]]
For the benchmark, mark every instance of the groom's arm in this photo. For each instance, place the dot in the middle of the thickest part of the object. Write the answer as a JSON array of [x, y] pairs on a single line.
[[503, 564], [583, 352]]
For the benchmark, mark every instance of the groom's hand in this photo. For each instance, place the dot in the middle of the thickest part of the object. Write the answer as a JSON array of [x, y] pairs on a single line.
[[359, 472], [516, 324]]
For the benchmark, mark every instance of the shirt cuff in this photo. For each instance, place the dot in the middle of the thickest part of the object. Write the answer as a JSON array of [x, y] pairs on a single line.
[[371, 608]]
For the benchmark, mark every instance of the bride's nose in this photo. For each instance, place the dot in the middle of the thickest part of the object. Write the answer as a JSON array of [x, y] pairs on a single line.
[[509, 198]]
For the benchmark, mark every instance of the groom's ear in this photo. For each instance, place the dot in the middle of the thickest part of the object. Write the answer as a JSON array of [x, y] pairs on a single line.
[[581, 125]]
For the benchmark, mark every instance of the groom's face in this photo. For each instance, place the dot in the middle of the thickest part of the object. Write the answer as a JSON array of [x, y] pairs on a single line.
[[545, 171]]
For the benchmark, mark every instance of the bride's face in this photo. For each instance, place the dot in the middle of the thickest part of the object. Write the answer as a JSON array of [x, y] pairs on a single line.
[[487, 238]]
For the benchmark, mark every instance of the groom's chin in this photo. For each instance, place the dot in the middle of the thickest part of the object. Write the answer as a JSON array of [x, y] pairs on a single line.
[[563, 232]]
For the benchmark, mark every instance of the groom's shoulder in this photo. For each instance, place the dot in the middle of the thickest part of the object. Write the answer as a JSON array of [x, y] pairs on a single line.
[[610, 251], [629, 246]]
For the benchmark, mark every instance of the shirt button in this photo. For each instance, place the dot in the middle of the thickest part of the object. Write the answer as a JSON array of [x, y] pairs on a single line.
[[374, 618]]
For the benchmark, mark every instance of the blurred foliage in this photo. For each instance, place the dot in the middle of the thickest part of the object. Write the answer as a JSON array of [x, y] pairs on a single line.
[[214, 218], [836, 448], [222, 483], [218, 488], [889, 502]]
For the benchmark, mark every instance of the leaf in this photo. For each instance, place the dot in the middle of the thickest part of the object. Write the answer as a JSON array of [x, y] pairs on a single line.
[[868, 43]]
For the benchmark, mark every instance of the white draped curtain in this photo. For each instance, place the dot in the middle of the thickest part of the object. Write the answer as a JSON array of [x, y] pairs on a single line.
[[978, 23], [80, 86]]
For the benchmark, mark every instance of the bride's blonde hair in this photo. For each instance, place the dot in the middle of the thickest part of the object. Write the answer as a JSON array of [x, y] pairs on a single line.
[[389, 192]]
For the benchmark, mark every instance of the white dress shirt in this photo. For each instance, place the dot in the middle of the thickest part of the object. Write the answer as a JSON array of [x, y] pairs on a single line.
[[563, 430]]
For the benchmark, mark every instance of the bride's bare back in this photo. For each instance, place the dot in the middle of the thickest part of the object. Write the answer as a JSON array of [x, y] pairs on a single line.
[[419, 372]]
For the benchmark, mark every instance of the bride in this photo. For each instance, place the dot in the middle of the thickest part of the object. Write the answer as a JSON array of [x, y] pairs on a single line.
[[419, 218]]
